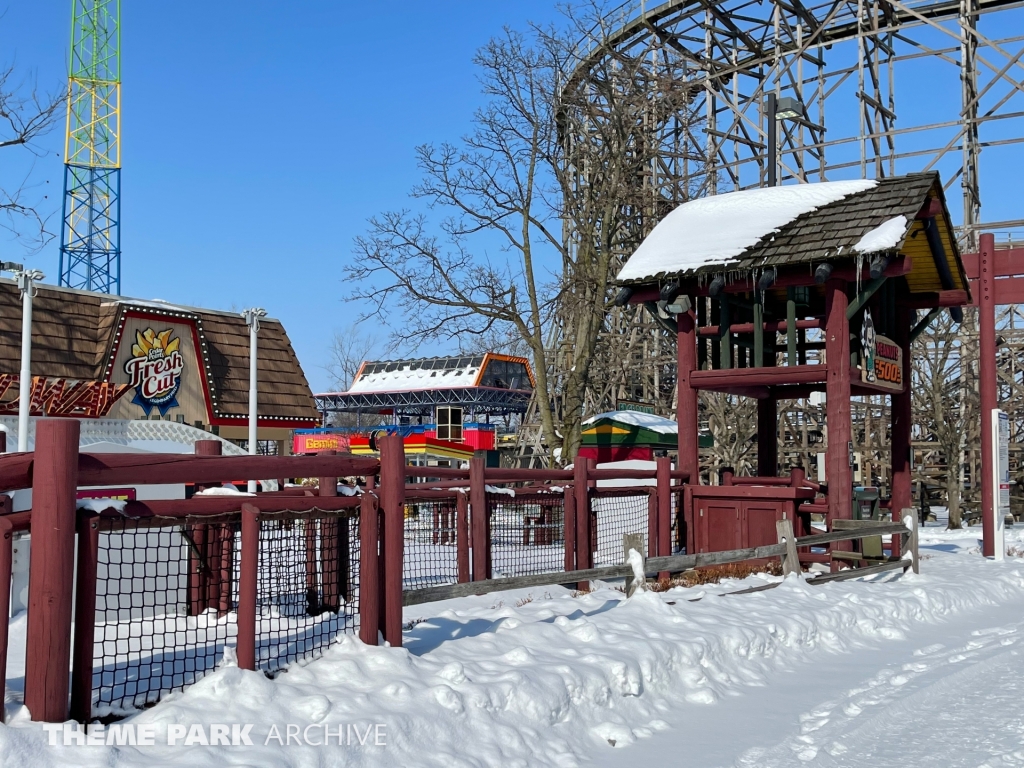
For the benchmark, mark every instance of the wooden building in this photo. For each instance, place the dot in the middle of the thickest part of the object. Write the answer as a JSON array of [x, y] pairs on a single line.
[[100, 356], [779, 292]]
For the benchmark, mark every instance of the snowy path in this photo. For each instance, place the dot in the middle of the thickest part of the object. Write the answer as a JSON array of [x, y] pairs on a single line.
[[911, 702]]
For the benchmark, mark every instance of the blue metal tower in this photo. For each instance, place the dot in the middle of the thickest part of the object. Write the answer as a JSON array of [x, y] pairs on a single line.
[[90, 243]]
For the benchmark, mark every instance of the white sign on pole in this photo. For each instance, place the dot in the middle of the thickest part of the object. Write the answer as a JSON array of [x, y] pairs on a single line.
[[1000, 479]]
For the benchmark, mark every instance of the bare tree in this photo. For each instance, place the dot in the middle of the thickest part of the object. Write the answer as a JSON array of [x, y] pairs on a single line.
[[946, 408], [349, 348], [551, 177], [26, 115]]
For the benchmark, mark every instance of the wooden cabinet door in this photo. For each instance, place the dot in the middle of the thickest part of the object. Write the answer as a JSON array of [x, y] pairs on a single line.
[[718, 525], [758, 522]]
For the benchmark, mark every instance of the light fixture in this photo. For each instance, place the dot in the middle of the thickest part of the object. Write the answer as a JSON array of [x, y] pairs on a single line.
[[669, 291], [788, 108], [717, 285], [623, 296], [767, 279], [878, 266], [822, 273]]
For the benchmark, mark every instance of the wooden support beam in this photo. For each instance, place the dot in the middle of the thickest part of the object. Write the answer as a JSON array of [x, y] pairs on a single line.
[[839, 412], [686, 352], [758, 334], [791, 327], [867, 291], [953, 298], [51, 570], [923, 324]]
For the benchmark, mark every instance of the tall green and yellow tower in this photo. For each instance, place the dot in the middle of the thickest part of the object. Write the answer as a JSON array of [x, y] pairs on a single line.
[[90, 243]]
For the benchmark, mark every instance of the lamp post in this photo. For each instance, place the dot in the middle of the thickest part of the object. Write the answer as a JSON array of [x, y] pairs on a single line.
[[26, 284], [252, 319], [786, 108]]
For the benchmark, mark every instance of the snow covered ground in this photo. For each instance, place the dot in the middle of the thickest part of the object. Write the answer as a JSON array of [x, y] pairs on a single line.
[[909, 671]]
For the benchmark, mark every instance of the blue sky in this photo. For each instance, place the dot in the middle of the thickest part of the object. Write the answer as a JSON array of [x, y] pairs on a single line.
[[258, 137]]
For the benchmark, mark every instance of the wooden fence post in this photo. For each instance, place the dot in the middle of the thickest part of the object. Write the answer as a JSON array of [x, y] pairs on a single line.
[[653, 501], [791, 560], [6, 544], [479, 518], [911, 539], [85, 618], [663, 468], [201, 557], [632, 541], [392, 487], [369, 589], [248, 576], [462, 536], [51, 569], [569, 526], [584, 553]]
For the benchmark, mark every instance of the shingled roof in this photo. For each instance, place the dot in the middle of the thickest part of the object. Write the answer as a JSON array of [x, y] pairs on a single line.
[[75, 334], [830, 232]]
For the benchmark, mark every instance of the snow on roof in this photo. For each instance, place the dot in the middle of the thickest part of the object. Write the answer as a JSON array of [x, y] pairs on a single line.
[[718, 229], [884, 237], [429, 373], [637, 419]]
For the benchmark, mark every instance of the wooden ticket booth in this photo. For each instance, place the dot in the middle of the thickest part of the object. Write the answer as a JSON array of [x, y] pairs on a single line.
[[779, 292]]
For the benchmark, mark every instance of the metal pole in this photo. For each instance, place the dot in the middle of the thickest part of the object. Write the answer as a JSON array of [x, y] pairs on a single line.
[[26, 282], [773, 140], [252, 319]]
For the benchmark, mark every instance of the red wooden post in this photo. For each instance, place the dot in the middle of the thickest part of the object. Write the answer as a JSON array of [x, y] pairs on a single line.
[[653, 500], [200, 577], [85, 618], [6, 543], [663, 466], [584, 555], [369, 591], [480, 520], [987, 386], [392, 487], [247, 578], [462, 536], [901, 417], [689, 452], [3, 449], [51, 569], [767, 438], [838, 417], [569, 526]]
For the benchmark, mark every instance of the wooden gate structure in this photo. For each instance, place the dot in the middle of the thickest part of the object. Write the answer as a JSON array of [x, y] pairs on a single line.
[[758, 284]]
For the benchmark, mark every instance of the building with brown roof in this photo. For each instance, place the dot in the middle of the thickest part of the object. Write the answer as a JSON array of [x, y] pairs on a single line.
[[100, 356]]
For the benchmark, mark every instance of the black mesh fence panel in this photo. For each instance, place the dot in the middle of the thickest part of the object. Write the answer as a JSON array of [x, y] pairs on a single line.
[[159, 627], [307, 586], [431, 548], [167, 595], [612, 514], [527, 533]]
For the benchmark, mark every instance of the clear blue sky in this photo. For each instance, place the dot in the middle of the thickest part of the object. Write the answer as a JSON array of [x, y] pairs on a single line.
[[258, 137]]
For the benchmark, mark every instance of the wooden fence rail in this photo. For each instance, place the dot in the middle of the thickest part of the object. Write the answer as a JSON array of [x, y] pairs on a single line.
[[678, 563]]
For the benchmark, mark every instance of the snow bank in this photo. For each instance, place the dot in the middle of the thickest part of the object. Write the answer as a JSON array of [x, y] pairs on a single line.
[[543, 677], [638, 419], [884, 237], [225, 490], [718, 229], [98, 505]]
